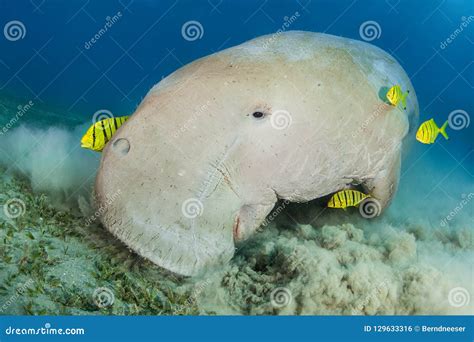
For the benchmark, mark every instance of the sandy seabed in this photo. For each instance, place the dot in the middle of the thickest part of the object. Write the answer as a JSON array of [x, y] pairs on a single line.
[[51, 262], [414, 259]]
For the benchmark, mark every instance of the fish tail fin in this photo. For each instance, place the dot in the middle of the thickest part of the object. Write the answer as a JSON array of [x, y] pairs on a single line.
[[404, 99], [442, 130]]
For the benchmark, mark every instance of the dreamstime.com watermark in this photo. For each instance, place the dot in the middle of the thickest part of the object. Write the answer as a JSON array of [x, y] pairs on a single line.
[[110, 21], [457, 209], [465, 21], [188, 124], [273, 215], [19, 292], [22, 110], [191, 300], [373, 294], [287, 22], [102, 208], [46, 330], [379, 109]]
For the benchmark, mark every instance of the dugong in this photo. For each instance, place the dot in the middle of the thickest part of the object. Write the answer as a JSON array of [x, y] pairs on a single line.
[[213, 146]]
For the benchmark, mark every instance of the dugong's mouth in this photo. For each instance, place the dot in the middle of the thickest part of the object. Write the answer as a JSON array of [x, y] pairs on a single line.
[[236, 229]]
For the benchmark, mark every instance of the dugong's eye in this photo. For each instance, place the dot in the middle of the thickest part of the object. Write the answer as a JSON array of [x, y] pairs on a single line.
[[258, 115]]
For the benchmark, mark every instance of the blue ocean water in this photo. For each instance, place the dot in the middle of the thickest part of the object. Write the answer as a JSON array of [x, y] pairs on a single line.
[[57, 64], [53, 65], [69, 59]]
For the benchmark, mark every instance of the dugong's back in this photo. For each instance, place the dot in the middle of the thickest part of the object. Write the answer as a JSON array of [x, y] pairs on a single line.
[[187, 173]]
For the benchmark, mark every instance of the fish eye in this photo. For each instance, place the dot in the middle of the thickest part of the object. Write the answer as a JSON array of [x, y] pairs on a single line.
[[258, 115]]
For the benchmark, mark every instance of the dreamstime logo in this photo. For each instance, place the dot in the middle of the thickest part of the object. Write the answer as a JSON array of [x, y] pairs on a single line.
[[191, 300], [103, 207], [380, 109], [275, 212], [280, 297], [288, 21], [109, 22], [465, 199], [465, 21], [459, 297], [281, 119], [102, 114], [22, 110], [14, 208], [370, 30], [192, 208], [103, 297], [373, 294], [19, 292], [459, 119], [188, 124], [192, 30], [370, 208], [14, 30]]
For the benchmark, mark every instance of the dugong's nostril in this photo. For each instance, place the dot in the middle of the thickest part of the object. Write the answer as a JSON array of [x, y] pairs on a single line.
[[121, 146]]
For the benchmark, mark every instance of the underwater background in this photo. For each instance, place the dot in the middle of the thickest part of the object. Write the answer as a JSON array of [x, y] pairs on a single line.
[[63, 61]]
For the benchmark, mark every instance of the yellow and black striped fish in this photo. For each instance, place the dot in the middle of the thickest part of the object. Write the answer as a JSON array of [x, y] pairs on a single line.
[[101, 132], [428, 132], [395, 95], [346, 198]]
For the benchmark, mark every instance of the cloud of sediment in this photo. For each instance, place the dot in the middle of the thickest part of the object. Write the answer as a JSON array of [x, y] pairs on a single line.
[[347, 268], [52, 160], [414, 259]]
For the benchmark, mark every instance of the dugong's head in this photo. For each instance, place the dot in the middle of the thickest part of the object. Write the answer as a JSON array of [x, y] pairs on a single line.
[[210, 150]]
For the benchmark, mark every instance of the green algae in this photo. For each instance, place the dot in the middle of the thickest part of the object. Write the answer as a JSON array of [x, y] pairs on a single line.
[[51, 262]]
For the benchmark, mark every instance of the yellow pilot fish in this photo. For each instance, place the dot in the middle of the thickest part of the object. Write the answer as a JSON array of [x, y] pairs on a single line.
[[428, 132], [100, 133], [346, 198], [395, 95]]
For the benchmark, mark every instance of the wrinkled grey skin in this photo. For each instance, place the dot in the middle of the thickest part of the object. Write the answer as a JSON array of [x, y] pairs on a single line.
[[197, 172]]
